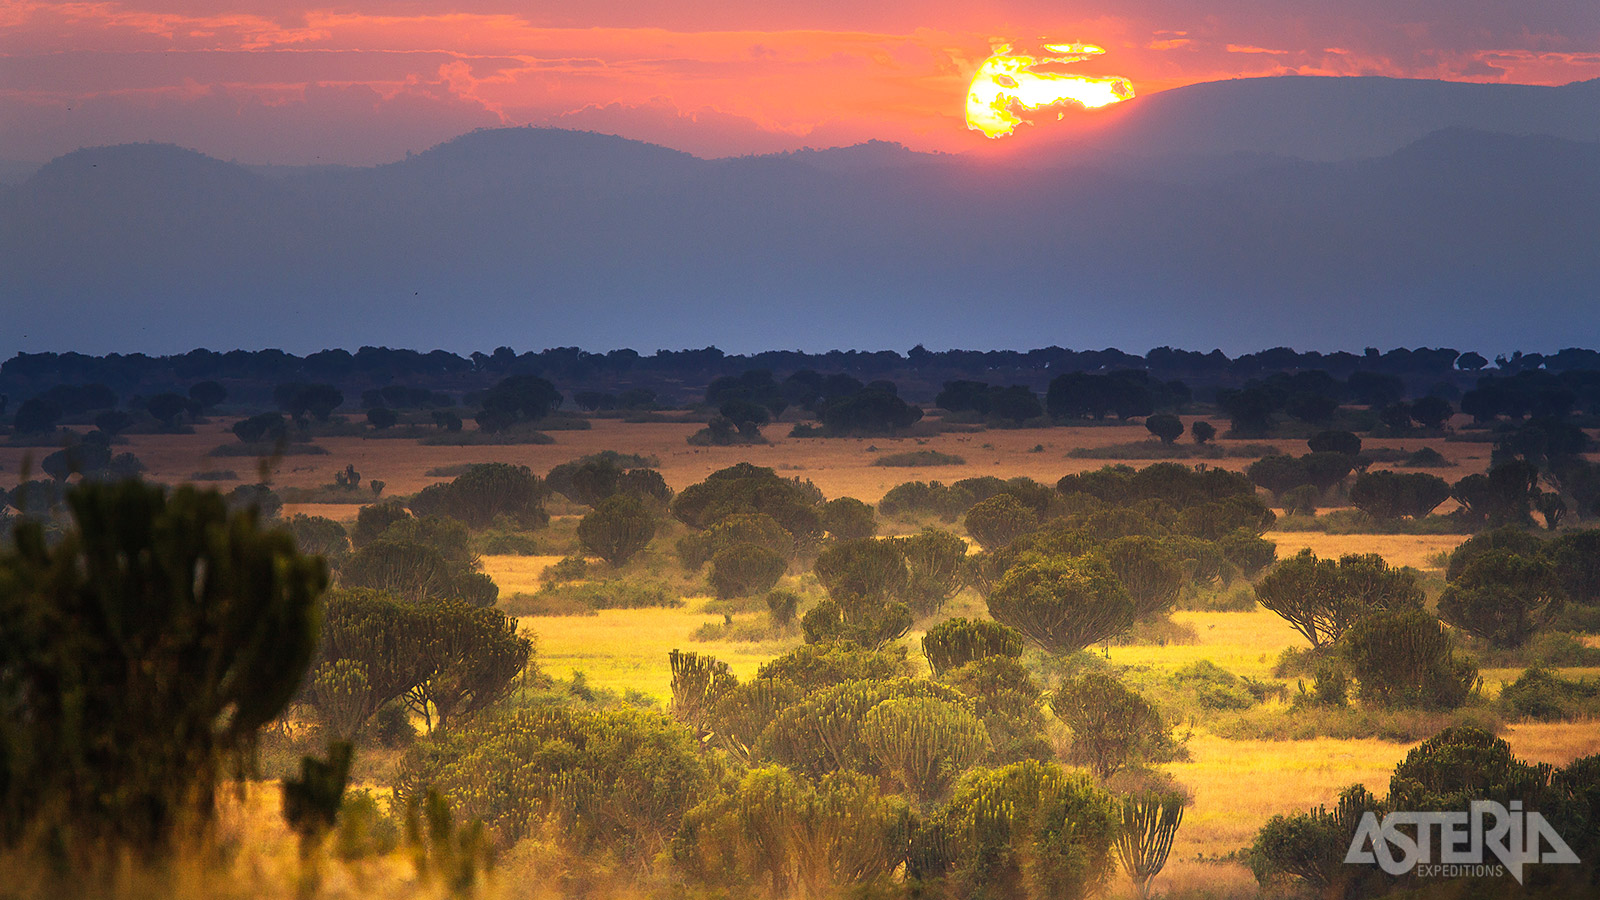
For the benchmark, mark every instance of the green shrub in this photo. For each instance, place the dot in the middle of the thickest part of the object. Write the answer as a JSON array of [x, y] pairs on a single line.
[[606, 781], [955, 642], [999, 520], [1112, 727], [780, 835], [1063, 603], [848, 519], [617, 528], [1028, 831], [143, 649], [744, 570], [812, 667], [1540, 694], [1502, 597], [1405, 658]]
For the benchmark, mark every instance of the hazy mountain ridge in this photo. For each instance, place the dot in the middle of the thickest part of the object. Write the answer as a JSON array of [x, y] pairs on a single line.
[[574, 238]]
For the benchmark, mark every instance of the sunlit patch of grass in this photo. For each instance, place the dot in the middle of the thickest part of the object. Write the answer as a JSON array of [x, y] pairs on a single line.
[[1415, 550], [1244, 643], [517, 574], [1238, 785], [626, 649]]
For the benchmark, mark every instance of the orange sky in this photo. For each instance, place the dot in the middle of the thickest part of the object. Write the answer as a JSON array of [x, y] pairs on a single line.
[[292, 82]]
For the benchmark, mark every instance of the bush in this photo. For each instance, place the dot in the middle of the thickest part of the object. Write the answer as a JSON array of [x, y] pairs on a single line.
[[219, 616], [745, 488], [1459, 765], [1404, 657], [744, 570], [1112, 727], [782, 835], [1312, 846], [319, 536], [484, 493], [616, 529], [605, 781], [999, 520], [862, 572], [1028, 831], [812, 667], [372, 521], [1391, 495], [782, 606], [1063, 603], [848, 519], [824, 731], [935, 569], [1540, 694], [1202, 431], [1166, 427], [956, 642], [923, 744], [1503, 597]]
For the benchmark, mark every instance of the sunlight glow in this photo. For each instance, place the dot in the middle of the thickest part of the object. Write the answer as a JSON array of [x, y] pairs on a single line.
[[1006, 86]]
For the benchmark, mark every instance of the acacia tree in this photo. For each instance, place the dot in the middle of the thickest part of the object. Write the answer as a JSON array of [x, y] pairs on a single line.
[[617, 529], [1165, 426], [1063, 603]]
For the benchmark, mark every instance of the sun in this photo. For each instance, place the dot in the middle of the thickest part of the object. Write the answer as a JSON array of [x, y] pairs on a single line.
[[1007, 85]]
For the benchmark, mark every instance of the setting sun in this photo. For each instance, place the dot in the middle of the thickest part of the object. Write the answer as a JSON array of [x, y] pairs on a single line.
[[1007, 85]]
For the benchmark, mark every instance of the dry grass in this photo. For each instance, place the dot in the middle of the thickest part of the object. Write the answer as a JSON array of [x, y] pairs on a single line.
[[626, 649], [517, 574], [1245, 643], [1415, 550]]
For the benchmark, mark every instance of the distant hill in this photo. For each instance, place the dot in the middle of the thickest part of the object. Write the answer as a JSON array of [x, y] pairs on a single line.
[[543, 237], [1313, 118]]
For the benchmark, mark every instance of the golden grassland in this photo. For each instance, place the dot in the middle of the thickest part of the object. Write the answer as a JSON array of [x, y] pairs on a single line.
[[1236, 784], [839, 466]]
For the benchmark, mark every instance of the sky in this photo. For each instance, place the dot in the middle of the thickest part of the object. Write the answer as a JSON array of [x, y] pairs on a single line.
[[289, 82]]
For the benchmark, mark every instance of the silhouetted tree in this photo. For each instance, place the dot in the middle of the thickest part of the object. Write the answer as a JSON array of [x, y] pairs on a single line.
[[1164, 426]]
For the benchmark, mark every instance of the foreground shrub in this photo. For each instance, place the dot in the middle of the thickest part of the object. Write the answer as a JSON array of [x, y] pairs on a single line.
[[1406, 658], [142, 651], [1028, 831], [789, 836], [594, 781]]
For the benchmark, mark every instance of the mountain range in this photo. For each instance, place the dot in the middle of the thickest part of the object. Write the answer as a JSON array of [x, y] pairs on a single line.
[[1315, 213]]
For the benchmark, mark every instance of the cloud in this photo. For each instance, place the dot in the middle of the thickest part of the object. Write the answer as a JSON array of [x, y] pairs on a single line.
[[713, 76]]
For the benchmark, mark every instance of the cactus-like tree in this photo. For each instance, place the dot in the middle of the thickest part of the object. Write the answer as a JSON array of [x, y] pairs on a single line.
[[142, 650]]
